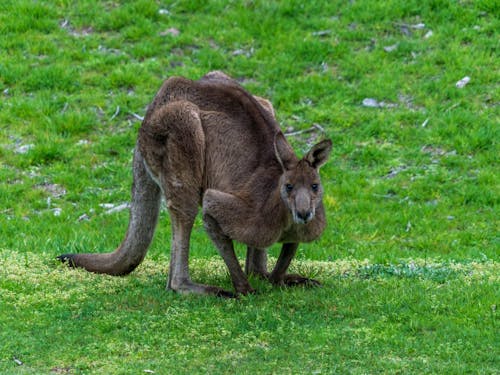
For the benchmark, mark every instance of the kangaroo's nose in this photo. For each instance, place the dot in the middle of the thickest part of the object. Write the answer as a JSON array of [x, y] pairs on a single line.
[[304, 216]]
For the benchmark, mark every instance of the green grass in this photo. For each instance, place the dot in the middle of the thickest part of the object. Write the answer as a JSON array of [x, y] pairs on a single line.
[[410, 318], [409, 260]]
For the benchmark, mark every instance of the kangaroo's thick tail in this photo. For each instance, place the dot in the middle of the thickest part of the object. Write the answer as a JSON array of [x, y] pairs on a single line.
[[144, 209]]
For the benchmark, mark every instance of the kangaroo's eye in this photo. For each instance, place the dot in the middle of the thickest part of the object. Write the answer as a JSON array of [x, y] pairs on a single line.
[[314, 187], [289, 188]]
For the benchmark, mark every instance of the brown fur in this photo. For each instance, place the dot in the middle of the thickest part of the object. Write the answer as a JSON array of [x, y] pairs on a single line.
[[210, 143]]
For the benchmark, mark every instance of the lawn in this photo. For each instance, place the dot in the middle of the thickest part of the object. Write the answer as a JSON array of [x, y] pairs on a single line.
[[407, 91]]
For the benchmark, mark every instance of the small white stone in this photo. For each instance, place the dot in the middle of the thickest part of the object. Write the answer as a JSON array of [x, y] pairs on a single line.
[[391, 48], [24, 148], [369, 102], [464, 81]]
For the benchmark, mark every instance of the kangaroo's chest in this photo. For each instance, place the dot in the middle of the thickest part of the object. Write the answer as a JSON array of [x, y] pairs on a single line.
[[303, 232]]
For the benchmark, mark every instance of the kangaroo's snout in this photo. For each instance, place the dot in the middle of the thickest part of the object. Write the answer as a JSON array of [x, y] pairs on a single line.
[[303, 211]]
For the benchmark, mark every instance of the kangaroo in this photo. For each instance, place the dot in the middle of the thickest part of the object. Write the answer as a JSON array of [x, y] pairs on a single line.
[[210, 143]]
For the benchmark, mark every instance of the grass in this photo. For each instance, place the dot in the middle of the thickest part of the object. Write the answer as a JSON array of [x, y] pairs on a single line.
[[413, 318], [409, 260]]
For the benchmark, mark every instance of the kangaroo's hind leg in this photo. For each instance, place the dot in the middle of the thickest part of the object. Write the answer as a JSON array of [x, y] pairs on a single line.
[[173, 142]]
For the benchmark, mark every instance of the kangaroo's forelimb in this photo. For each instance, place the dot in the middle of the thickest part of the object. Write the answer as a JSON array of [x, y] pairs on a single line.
[[280, 277], [256, 264]]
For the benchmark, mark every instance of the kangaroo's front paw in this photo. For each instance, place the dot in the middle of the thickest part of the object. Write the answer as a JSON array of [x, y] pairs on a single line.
[[294, 280]]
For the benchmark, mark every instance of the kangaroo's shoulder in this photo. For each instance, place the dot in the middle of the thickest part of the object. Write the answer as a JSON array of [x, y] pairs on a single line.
[[227, 95]]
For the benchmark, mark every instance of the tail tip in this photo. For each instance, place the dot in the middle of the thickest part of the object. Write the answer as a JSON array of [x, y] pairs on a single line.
[[67, 259]]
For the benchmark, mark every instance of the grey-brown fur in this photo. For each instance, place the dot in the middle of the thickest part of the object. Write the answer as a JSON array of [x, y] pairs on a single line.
[[210, 143]]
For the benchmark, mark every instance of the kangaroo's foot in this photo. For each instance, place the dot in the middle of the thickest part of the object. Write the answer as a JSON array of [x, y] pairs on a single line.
[[292, 279], [188, 286]]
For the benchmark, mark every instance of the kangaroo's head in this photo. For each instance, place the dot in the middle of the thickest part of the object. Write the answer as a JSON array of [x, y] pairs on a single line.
[[300, 184]]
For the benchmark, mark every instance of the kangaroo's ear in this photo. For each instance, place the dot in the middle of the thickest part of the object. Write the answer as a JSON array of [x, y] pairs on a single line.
[[284, 152], [319, 153]]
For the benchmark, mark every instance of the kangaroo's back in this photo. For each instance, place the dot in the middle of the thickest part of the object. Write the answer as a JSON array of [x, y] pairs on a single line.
[[239, 132]]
